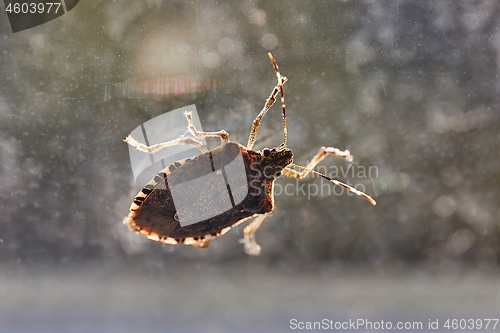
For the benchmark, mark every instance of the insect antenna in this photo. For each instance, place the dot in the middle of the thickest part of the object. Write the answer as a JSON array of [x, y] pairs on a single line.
[[336, 182], [281, 80]]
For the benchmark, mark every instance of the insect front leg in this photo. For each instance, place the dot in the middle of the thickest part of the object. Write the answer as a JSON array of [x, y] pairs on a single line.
[[323, 152], [269, 102], [251, 247], [291, 173]]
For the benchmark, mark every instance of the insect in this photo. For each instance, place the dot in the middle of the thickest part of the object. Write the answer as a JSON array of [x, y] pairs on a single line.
[[195, 200]]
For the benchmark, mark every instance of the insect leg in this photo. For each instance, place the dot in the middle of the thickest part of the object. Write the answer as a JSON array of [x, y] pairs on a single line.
[[223, 135], [251, 247], [269, 102], [323, 152], [159, 146]]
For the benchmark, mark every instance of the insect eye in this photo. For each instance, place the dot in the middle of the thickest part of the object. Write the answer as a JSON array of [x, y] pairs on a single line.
[[266, 152], [278, 174]]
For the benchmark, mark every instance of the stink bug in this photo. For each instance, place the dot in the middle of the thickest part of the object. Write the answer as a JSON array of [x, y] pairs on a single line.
[[197, 199]]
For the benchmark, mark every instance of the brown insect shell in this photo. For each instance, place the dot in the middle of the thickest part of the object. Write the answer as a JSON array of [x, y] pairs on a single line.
[[154, 213]]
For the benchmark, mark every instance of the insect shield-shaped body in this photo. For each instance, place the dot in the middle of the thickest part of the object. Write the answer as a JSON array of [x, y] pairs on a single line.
[[197, 199]]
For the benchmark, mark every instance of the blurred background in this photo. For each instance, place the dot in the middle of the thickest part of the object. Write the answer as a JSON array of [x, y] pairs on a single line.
[[409, 87]]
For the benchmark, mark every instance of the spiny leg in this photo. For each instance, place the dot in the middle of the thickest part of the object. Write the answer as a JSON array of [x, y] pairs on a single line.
[[291, 173], [251, 247], [159, 146], [269, 102], [320, 156], [223, 135], [283, 107]]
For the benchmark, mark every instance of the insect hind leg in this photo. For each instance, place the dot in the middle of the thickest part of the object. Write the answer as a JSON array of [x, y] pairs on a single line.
[[251, 247]]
